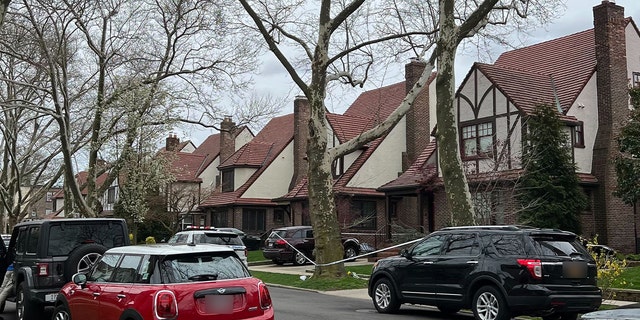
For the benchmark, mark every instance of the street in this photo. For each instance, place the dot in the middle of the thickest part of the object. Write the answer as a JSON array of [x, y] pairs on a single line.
[[294, 304]]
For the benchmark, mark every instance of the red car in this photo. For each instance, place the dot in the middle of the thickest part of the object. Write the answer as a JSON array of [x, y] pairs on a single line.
[[165, 282]]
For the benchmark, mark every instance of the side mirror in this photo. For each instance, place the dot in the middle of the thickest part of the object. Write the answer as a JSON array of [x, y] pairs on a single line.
[[405, 253], [80, 279]]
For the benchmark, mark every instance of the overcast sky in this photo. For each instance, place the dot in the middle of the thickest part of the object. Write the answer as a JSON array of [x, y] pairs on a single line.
[[273, 79]]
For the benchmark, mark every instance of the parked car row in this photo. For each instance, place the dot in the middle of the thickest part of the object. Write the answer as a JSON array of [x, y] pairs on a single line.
[[84, 267]]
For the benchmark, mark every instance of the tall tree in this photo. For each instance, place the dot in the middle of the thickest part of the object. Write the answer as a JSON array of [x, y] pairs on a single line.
[[627, 164], [114, 67], [344, 41], [550, 181]]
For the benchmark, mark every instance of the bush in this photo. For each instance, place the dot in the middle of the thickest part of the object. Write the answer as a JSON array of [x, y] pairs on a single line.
[[609, 269], [150, 240]]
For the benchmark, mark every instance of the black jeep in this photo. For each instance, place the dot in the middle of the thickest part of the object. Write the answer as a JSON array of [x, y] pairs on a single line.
[[46, 254]]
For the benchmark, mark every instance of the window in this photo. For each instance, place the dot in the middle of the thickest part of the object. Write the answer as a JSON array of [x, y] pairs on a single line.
[[32, 240], [104, 268], [111, 195], [253, 219], [578, 135], [477, 139], [636, 80], [278, 216], [429, 247], [337, 167], [219, 219], [364, 214], [227, 181], [49, 196], [462, 245], [127, 271]]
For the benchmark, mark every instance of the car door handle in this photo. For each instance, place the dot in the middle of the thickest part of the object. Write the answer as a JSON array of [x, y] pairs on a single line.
[[472, 262], [96, 294], [427, 262], [121, 296]]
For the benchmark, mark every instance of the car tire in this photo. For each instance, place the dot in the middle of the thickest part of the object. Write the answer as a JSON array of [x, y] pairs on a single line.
[[82, 258], [61, 313], [384, 297], [299, 259], [489, 304], [26, 309], [561, 316], [350, 251]]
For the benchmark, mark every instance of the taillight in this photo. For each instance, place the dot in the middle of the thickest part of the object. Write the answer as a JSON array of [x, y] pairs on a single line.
[[281, 242], [534, 266], [165, 305], [265, 297], [43, 269]]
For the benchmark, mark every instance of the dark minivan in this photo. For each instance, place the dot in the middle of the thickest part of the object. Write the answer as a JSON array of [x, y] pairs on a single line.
[[498, 272]]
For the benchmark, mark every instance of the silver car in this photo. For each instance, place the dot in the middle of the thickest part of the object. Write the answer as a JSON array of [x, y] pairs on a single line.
[[212, 236]]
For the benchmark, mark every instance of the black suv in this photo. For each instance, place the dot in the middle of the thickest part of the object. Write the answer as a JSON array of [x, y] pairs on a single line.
[[496, 271], [47, 253]]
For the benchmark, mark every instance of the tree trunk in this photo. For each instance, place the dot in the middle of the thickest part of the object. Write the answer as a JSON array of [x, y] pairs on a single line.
[[455, 180]]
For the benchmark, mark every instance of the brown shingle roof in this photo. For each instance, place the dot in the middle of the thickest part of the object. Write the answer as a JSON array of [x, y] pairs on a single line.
[[186, 167], [418, 173], [569, 60], [260, 153]]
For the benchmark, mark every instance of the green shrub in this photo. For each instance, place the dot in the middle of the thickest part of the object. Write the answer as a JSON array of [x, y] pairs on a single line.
[[609, 270], [150, 240]]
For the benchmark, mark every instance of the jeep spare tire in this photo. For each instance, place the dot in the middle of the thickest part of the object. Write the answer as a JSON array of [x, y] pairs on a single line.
[[82, 258]]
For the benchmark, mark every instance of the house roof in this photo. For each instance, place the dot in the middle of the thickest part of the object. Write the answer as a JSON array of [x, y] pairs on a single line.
[[418, 173], [259, 153], [565, 64], [186, 167]]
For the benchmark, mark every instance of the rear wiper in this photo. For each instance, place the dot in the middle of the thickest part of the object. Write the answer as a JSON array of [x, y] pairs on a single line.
[[204, 277]]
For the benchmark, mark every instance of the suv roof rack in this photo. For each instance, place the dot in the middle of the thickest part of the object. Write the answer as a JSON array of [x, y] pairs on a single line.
[[491, 227]]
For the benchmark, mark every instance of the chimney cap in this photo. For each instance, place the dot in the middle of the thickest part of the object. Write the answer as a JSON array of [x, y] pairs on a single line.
[[301, 97]]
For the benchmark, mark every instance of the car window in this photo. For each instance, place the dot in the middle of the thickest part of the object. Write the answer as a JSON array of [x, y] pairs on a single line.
[[103, 269], [216, 239], [64, 237], [462, 245], [277, 234], [127, 271], [549, 246], [504, 244], [179, 238], [309, 234], [202, 267], [32, 240], [429, 247], [146, 272], [21, 240], [298, 234]]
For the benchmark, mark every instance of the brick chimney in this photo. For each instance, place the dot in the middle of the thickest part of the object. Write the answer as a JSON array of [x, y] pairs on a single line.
[[417, 124], [301, 117], [612, 216], [172, 142], [227, 138]]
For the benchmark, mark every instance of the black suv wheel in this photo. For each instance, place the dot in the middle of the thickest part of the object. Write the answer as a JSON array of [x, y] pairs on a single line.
[[82, 258], [488, 304], [384, 298]]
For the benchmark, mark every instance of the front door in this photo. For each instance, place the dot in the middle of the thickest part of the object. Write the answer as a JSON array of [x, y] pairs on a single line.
[[418, 270]]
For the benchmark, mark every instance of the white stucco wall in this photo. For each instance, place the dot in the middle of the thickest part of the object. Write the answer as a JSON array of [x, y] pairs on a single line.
[[209, 174], [585, 109], [241, 175], [243, 138], [633, 50], [274, 181], [386, 161], [188, 148], [433, 101]]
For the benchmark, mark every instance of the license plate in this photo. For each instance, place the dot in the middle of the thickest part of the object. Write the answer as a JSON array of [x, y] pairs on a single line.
[[51, 297], [219, 304], [574, 270]]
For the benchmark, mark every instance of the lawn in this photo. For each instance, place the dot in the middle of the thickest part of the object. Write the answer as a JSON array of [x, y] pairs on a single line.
[[630, 279], [358, 281], [255, 256]]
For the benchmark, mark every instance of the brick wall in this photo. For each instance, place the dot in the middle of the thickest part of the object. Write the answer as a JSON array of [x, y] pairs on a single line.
[[417, 123], [612, 217], [227, 139], [301, 116]]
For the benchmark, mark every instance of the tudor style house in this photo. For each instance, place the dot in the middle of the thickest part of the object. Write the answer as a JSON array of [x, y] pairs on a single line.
[[586, 76], [264, 182]]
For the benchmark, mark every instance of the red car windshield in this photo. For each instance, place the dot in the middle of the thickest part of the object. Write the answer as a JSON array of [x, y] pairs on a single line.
[[203, 267]]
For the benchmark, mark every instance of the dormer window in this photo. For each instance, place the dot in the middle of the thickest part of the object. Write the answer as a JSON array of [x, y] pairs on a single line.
[[477, 140], [578, 135], [227, 180], [636, 80]]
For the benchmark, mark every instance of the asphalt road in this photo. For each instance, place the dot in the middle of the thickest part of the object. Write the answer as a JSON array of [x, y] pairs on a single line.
[[294, 304]]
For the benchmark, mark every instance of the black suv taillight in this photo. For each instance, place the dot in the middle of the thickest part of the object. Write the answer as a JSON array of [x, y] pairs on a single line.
[[534, 267], [43, 269]]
